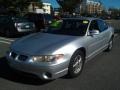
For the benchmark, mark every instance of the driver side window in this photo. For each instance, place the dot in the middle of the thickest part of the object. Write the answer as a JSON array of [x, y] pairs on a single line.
[[94, 25]]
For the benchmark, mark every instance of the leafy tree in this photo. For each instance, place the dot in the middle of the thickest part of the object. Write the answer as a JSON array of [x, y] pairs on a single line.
[[68, 5], [18, 5]]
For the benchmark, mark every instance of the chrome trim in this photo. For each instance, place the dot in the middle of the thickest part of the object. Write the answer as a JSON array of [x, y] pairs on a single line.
[[62, 71]]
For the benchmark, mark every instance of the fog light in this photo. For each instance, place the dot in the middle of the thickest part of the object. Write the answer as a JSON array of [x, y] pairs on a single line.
[[47, 75]]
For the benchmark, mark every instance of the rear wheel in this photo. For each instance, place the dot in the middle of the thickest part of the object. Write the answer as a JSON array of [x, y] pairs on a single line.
[[76, 64], [110, 45]]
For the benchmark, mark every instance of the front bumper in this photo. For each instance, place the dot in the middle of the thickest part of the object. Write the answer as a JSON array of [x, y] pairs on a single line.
[[43, 70]]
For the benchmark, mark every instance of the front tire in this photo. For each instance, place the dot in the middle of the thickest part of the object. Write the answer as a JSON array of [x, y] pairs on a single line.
[[76, 64]]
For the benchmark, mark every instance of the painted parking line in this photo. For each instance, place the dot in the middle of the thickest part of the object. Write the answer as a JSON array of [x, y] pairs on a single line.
[[6, 39], [5, 42]]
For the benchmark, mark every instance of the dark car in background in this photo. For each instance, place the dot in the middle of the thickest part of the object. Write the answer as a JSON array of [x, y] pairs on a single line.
[[41, 21], [12, 25]]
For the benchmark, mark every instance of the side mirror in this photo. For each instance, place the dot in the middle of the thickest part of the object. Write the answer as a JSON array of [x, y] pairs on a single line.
[[94, 32]]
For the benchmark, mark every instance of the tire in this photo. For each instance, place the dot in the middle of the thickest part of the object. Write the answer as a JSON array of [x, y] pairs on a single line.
[[76, 64], [110, 45]]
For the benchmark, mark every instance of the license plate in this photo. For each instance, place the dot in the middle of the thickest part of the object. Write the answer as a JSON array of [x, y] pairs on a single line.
[[27, 26]]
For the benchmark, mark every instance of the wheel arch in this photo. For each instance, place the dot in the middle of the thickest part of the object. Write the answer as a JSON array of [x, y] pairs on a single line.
[[83, 50]]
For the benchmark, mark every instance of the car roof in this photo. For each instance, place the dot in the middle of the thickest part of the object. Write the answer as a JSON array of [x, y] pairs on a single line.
[[80, 18]]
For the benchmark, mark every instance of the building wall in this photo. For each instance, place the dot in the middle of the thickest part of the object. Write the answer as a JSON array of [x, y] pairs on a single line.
[[34, 8], [90, 7], [94, 7], [47, 8]]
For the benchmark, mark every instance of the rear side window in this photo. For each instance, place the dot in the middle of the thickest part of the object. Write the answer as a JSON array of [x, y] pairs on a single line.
[[102, 25]]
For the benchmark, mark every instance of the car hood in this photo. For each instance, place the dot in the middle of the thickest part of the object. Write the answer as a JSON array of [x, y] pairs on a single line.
[[41, 43]]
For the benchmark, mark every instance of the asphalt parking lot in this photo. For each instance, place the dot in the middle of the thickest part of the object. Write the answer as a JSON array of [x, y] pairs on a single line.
[[101, 73], [4, 44]]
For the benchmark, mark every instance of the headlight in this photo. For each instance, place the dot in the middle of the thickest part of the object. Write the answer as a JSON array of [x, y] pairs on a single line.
[[47, 58], [17, 24]]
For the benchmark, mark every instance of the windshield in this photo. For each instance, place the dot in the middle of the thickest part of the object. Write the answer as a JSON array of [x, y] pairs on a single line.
[[68, 27]]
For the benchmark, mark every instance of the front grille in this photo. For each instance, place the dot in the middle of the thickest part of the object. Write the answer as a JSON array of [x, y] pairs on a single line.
[[22, 57], [19, 57], [13, 55]]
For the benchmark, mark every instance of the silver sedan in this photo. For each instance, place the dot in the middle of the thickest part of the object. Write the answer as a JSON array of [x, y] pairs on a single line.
[[62, 48]]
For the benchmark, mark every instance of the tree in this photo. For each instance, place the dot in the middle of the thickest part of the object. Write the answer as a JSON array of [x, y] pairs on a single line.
[[18, 5], [69, 5]]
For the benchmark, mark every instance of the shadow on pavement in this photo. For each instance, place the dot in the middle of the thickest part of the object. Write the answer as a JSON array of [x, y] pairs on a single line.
[[8, 73]]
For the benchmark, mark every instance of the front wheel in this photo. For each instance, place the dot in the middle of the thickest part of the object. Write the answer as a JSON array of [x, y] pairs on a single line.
[[76, 64]]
